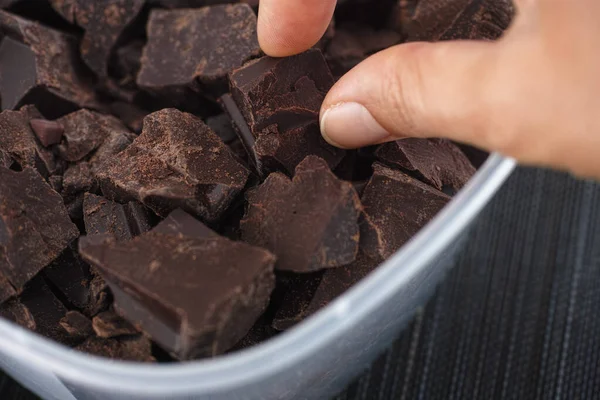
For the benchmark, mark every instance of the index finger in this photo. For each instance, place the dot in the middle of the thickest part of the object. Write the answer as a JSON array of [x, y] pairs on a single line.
[[288, 27]]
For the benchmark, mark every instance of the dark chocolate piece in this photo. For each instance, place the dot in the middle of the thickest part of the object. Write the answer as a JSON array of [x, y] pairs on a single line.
[[103, 22], [180, 223], [129, 114], [177, 162], [453, 19], [280, 99], [77, 325], [77, 179], [137, 348], [299, 291], [127, 60], [222, 126], [396, 207], [34, 225], [48, 132], [194, 296], [108, 324], [123, 221], [440, 162], [309, 223], [20, 143], [201, 45], [90, 134], [39, 65]]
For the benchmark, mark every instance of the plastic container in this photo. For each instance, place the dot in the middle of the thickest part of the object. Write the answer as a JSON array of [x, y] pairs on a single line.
[[314, 360]]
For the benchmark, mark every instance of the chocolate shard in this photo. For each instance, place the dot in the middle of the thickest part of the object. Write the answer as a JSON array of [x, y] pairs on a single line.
[[197, 48], [20, 142], [129, 114], [123, 221], [440, 162], [396, 207], [177, 162], [71, 276], [77, 179], [193, 296], [109, 324], [137, 348], [280, 99], [222, 126], [93, 136], [103, 24], [48, 132], [299, 292], [309, 223], [38, 65], [34, 225], [453, 19], [77, 325], [180, 223]]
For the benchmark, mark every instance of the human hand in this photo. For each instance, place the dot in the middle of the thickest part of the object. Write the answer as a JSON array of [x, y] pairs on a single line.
[[533, 95]]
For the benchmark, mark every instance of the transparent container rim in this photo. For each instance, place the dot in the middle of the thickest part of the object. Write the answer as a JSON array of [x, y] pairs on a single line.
[[289, 348]]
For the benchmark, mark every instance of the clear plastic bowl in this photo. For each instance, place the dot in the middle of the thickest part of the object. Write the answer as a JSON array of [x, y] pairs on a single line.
[[313, 360]]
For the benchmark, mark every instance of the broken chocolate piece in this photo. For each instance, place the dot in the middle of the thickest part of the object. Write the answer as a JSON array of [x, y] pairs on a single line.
[[309, 223], [20, 142], [38, 65], [280, 99], [77, 325], [197, 45], [440, 162], [177, 162], [137, 348], [34, 225], [453, 19], [396, 207], [299, 291], [194, 296], [48, 132], [129, 114], [77, 179], [221, 125], [123, 221], [71, 276], [108, 324], [180, 223]]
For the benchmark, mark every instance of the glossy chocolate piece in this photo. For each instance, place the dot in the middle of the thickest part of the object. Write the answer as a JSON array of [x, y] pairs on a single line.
[[396, 207], [309, 223], [39, 65], [197, 48], [439, 162], [77, 325], [136, 348], [108, 324], [177, 162], [280, 99], [34, 225], [221, 124], [194, 296], [47, 132], [20, 142], [123, 221]]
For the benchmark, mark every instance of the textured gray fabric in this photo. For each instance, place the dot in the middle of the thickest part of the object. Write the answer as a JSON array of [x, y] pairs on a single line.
[[517, 317]]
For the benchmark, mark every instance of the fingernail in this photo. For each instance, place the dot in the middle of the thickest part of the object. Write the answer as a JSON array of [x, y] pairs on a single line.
[[351, 124]]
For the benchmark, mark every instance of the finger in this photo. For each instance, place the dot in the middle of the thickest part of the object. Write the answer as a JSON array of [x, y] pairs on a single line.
[[287, 27], [413, 90]]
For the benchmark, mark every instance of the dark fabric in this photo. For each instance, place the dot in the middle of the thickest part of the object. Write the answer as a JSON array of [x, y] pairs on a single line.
[[517, 317]]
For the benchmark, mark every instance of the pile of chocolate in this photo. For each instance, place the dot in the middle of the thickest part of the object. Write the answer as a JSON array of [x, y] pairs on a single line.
[[165, 193]]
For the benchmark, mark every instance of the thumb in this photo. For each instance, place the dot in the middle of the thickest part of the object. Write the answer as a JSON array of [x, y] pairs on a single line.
[[412, 90]]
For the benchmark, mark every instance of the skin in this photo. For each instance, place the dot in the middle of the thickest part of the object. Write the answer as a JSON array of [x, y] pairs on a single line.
[[533, 95]]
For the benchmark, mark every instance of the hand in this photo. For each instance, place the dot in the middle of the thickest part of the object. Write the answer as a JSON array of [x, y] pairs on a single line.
[[533, 95]]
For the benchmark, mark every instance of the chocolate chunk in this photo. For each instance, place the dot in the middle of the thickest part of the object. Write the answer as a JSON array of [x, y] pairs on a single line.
[[108, 324], [221, 125], [309, 223], [180, 223], [75, 208], [77, 179], [197, 48], [177, 162], [453, 19], [137, 348], [336, 281], [129, 114], [124, 221], [70, 275], [77, 325], [21, 144], [127, 60], [39, 65], [396, 207], [48, 132], [89, 134], [280, 99], [34, 225], [103, 23], [440, 162], [194, 296], [299, 291]]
